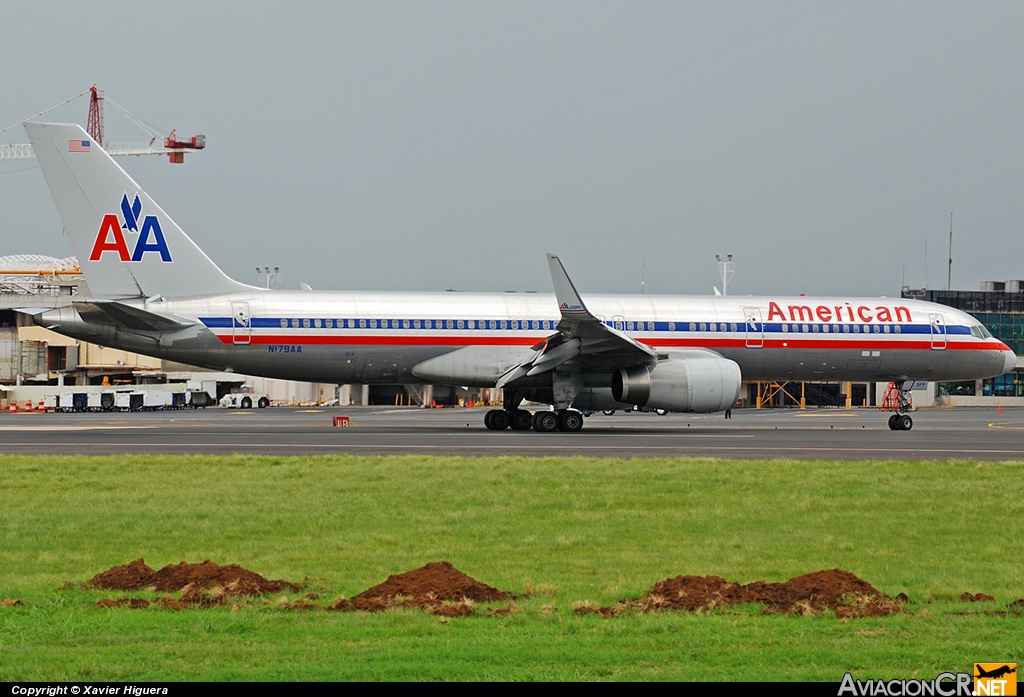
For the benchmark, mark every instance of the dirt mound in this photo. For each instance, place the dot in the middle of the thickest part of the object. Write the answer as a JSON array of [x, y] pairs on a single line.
[[813, 593], [235, 579], [429, 587], [977, 597], [132, 576], [239, 580]]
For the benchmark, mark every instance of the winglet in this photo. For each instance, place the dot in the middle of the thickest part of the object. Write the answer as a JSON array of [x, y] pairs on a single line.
[[569, 302], [577, 322]]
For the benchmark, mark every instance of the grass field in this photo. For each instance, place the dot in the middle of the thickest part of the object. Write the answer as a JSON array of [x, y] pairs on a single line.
[[568, 530]]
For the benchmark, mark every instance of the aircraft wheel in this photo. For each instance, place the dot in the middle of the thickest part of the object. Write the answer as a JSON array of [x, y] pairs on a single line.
[[496, 420], [263, 403], [570, 421], [906, 423], [661, 412], [522, 420], [608, 412], [892, 422], [545, 422], [246, 403]]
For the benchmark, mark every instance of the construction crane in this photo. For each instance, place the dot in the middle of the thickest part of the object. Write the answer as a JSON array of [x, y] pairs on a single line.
[[171, 146]]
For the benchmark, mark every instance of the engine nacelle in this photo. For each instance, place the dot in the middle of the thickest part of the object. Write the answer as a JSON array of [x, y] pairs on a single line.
[[698, 380]]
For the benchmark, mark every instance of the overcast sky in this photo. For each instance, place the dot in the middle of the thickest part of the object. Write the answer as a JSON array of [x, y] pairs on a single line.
[[434, 145]]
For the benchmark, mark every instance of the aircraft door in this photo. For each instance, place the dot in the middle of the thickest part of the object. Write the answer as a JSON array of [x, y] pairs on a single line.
[[241, 323], [938, 331], [755, 327]]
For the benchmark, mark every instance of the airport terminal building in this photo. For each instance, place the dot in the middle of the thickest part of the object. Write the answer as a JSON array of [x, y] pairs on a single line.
[[1000, 307]]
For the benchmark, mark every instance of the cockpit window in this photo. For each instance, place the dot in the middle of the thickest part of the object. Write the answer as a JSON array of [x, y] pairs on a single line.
[[980, 331]]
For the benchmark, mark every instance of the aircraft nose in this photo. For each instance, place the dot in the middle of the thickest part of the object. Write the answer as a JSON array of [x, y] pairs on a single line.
[[1009, 361]]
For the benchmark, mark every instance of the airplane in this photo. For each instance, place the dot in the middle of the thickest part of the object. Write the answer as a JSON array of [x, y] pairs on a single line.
[[995, 672], [154, 292]]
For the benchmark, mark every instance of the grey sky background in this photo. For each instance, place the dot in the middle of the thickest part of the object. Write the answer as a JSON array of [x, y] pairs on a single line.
[[435, 145]]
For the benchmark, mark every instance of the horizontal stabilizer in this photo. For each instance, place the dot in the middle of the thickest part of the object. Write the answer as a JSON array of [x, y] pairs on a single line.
[[121, 315], [32, 310]]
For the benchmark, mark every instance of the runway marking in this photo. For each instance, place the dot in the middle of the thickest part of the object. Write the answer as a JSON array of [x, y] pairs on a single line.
[[309, 411], [1007, 425], [546, 448], [57, 427]]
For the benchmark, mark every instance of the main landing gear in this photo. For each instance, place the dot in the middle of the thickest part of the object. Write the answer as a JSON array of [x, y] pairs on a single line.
[[567, 421]]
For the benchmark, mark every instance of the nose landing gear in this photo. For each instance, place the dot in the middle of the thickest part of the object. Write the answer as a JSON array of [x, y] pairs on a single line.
[[897, 399]]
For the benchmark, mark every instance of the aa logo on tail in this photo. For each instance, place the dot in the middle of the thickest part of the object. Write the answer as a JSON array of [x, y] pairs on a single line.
[[111, 235]]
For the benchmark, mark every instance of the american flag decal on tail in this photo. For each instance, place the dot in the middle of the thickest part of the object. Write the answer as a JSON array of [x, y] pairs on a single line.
[[78, 145]]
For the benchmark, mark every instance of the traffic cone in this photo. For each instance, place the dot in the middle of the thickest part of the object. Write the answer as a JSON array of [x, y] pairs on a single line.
[[1000, 409]]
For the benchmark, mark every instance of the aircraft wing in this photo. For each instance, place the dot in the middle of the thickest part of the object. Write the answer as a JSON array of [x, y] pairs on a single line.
[[121, 315], [580, 337]]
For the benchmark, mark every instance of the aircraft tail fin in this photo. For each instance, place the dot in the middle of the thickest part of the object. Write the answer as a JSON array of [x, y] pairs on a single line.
[[126, 245]]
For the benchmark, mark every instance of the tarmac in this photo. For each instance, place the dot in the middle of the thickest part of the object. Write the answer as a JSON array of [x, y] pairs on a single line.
[[962, 433]]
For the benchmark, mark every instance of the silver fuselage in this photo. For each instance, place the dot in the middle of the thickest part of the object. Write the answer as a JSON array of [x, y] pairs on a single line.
[[378, 337]]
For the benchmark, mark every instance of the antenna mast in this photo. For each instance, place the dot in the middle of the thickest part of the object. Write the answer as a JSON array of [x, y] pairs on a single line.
[[949, 270]]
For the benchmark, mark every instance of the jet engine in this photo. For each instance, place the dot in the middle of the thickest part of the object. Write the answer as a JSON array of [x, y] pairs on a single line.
[[698, 380]]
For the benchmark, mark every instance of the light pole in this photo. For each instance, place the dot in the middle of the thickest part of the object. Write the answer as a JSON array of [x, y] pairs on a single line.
[[726, 268], [268, 279]]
